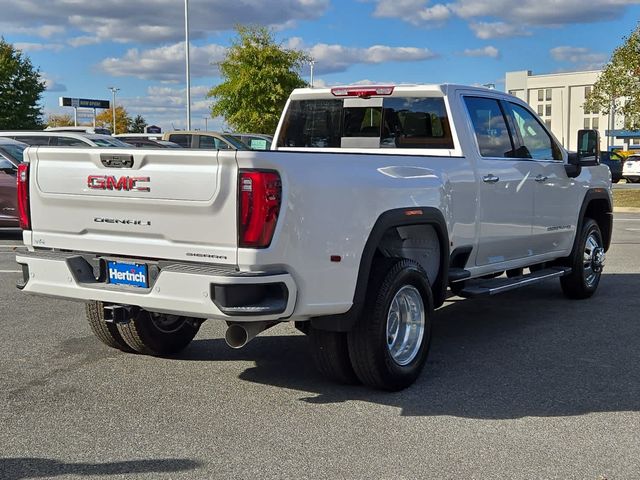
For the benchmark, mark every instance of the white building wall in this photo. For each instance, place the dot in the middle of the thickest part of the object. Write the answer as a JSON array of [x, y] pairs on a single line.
[[561, 103]]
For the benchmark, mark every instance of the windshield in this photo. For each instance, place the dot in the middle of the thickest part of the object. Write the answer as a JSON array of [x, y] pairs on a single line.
[[235, 142], [13, 151]]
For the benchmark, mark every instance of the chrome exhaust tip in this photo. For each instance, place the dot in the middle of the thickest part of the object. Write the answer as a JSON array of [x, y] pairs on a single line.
[[239, 334]]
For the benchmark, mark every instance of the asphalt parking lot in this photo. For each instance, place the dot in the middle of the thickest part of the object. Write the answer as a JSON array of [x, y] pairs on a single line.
[[527, 385]]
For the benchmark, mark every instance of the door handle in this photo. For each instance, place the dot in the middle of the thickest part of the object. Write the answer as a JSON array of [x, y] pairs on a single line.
[[491, 178], [541, 178]]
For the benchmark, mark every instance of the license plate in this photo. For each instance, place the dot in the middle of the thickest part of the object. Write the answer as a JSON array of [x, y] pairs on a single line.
[[132, 274]]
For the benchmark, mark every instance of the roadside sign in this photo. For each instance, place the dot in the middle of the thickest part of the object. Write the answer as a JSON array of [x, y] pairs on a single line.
[[152, 129], [84, 103]]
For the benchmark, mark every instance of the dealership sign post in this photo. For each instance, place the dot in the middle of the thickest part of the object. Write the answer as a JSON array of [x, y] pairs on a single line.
[[83, 103]]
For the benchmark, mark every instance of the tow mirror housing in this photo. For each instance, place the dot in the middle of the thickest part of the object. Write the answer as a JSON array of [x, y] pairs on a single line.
[[588, 147]]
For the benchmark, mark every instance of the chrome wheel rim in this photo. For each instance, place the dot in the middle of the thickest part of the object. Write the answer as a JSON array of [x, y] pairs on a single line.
[[593, 259], [405, 325]]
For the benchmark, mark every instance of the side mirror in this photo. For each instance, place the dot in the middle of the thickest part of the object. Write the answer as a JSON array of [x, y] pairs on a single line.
[[588, 147]]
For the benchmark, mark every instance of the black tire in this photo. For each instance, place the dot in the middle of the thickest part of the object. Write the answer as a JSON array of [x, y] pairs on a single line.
[[368, 348], [579, 283], [158, 334], [106, 332], [330, 352]]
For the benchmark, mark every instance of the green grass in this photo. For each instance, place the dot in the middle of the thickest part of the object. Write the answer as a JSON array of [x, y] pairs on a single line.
[[626, 198]]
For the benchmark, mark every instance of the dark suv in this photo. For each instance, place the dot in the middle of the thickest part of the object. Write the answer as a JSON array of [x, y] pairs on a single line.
[[614, 161], [10, 157]]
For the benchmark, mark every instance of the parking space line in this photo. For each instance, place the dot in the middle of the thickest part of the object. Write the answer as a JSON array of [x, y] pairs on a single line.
[[10, 271]]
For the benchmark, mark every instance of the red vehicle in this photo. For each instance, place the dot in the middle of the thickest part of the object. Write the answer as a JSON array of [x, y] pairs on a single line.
[[10, 158]]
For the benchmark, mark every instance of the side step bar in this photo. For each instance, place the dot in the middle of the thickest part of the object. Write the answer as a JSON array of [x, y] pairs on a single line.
[[480, 287]]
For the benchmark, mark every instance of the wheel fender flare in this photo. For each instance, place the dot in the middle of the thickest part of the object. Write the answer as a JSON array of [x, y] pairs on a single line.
[[399, 217]]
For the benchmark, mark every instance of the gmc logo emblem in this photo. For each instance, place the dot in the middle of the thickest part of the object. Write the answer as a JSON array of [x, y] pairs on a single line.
[[107, 182]]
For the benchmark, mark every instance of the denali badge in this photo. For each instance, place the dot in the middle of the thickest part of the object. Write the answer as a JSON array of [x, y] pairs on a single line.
[[107, 182], [123, 221]]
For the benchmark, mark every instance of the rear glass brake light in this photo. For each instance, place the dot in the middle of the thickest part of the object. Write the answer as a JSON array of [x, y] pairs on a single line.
[[22, 180], [259, 195], [365, 91]]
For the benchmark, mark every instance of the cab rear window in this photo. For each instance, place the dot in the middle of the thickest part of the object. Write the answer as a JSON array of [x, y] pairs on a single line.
[[398, 122]]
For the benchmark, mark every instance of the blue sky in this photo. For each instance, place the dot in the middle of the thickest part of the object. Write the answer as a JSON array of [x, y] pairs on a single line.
[[84, 47]]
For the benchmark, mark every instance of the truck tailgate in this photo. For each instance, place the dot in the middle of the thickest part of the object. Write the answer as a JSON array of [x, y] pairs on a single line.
[[165, 204]]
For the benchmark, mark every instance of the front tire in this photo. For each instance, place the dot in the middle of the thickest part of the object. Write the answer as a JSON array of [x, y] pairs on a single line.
[[106, 332], [586, 263], [389, 344], [158, 334]]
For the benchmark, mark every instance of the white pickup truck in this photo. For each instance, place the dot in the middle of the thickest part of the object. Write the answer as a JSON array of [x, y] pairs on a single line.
[[373, 202]]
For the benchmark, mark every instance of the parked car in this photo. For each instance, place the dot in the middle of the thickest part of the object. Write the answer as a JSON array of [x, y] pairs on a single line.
[[10, 158], [255, 141], [205, 140], [98, 130], [144, 143], [65, 139], [614, 161], [631, 169]]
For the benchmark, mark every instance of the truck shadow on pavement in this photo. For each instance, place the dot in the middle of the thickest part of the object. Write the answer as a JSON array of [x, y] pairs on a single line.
[[525, 353], [25, 468]]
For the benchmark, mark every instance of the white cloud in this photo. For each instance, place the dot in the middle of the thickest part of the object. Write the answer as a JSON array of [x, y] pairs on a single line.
[[338, 58], [503, 18], [543, 12], [37, 47], [416, 12], [488, 51], [44, 31], [51, 84], [83, 40], [157, 21], [582, 57], [166, 107], [488, 30], [165, 63]]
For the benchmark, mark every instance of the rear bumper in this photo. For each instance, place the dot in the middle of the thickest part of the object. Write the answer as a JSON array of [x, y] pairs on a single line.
[[195, 290]]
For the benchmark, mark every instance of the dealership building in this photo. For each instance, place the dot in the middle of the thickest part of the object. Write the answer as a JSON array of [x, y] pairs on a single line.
[[559, 100]]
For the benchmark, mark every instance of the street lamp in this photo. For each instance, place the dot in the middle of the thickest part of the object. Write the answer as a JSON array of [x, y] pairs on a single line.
[[188, 73], [113, 107], [206, 124], [311, 64]]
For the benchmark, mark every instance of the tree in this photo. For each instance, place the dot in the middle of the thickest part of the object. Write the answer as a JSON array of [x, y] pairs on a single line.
[[123, 120], [137, 124], [62, 120], [20, 90], [618, 87], [258, 76]]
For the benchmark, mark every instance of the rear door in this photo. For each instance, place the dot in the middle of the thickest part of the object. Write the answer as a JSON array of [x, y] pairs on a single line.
[[505, 186], [164, 204]]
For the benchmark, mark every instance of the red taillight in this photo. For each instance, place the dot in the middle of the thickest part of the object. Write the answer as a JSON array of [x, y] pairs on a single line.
[[362, 91], [23, 196], [260, 196]]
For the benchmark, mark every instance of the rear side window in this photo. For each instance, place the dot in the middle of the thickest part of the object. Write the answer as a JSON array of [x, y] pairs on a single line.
[[208, 142], [490, 127], [401, 122], [71, 142], [35, 140], [181, 139]]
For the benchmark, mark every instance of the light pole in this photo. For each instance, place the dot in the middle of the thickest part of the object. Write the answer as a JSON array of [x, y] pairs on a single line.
[[311, 64], [113, 107], [206, 124], [188, 73]]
